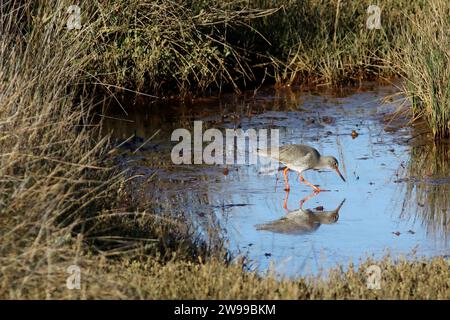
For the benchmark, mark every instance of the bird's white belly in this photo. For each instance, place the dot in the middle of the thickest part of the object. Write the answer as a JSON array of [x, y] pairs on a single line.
[[297, 168]]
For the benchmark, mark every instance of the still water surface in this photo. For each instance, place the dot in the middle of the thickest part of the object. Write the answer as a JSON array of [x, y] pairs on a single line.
[[397, 194]]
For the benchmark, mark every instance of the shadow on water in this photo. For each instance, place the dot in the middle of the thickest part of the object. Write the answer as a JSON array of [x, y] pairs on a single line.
[[397, 189]]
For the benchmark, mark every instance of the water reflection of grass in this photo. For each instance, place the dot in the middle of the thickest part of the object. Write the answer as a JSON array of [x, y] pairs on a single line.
[[427, 191]]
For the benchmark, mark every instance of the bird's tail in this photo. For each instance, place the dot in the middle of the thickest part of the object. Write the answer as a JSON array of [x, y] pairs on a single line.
[[264, 152], [270, 165]]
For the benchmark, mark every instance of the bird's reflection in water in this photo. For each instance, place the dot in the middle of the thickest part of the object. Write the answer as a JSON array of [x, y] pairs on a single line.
[[301, 221]]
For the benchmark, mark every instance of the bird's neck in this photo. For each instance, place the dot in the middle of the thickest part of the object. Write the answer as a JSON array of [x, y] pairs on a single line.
[[322, 163]]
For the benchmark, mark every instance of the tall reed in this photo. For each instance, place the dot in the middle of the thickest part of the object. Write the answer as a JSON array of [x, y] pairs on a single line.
[[424, 62]]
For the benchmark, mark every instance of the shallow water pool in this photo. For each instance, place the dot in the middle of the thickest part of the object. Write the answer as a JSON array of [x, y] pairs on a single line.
[[397, 189]]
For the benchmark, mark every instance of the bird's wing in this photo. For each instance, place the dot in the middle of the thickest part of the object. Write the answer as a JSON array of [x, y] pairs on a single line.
[[296, 153]]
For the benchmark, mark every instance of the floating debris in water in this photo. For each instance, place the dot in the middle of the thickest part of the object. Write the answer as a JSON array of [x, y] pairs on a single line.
[[411, 232], [354, 134], [327, 120], [231, 205], [310, 121], [397, 233]]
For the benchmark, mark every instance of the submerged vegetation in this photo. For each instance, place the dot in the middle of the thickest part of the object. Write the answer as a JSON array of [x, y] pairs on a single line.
[[62, 198]]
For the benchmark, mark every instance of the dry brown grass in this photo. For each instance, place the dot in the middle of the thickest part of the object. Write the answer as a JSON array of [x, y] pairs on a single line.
[[51, 170], [59, 190], [104, 279]]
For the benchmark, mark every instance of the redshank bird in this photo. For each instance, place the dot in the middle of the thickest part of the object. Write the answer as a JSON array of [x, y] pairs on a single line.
[[301, 221], [299, 158]]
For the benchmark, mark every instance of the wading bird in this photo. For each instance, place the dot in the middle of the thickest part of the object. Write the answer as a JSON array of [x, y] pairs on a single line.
[[301, 221], [299, 158]]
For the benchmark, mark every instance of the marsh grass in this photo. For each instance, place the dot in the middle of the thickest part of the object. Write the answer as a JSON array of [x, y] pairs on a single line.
[[197, 47], [49, 161], [424, 62], [327, 42], [173, 47], [149, 279], [58, 190]]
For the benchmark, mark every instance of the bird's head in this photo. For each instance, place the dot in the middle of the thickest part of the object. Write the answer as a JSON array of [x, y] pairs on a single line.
[[331, 163]]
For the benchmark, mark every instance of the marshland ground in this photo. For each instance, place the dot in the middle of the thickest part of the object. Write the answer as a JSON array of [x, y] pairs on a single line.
[[65, 193]]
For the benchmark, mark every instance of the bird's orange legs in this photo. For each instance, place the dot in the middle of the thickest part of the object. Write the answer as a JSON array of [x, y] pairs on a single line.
[[316, 189], [312, 195], [286, 197], [286, 183]]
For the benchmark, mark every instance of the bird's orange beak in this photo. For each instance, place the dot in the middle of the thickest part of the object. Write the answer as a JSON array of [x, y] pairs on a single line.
[[339, 173]]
